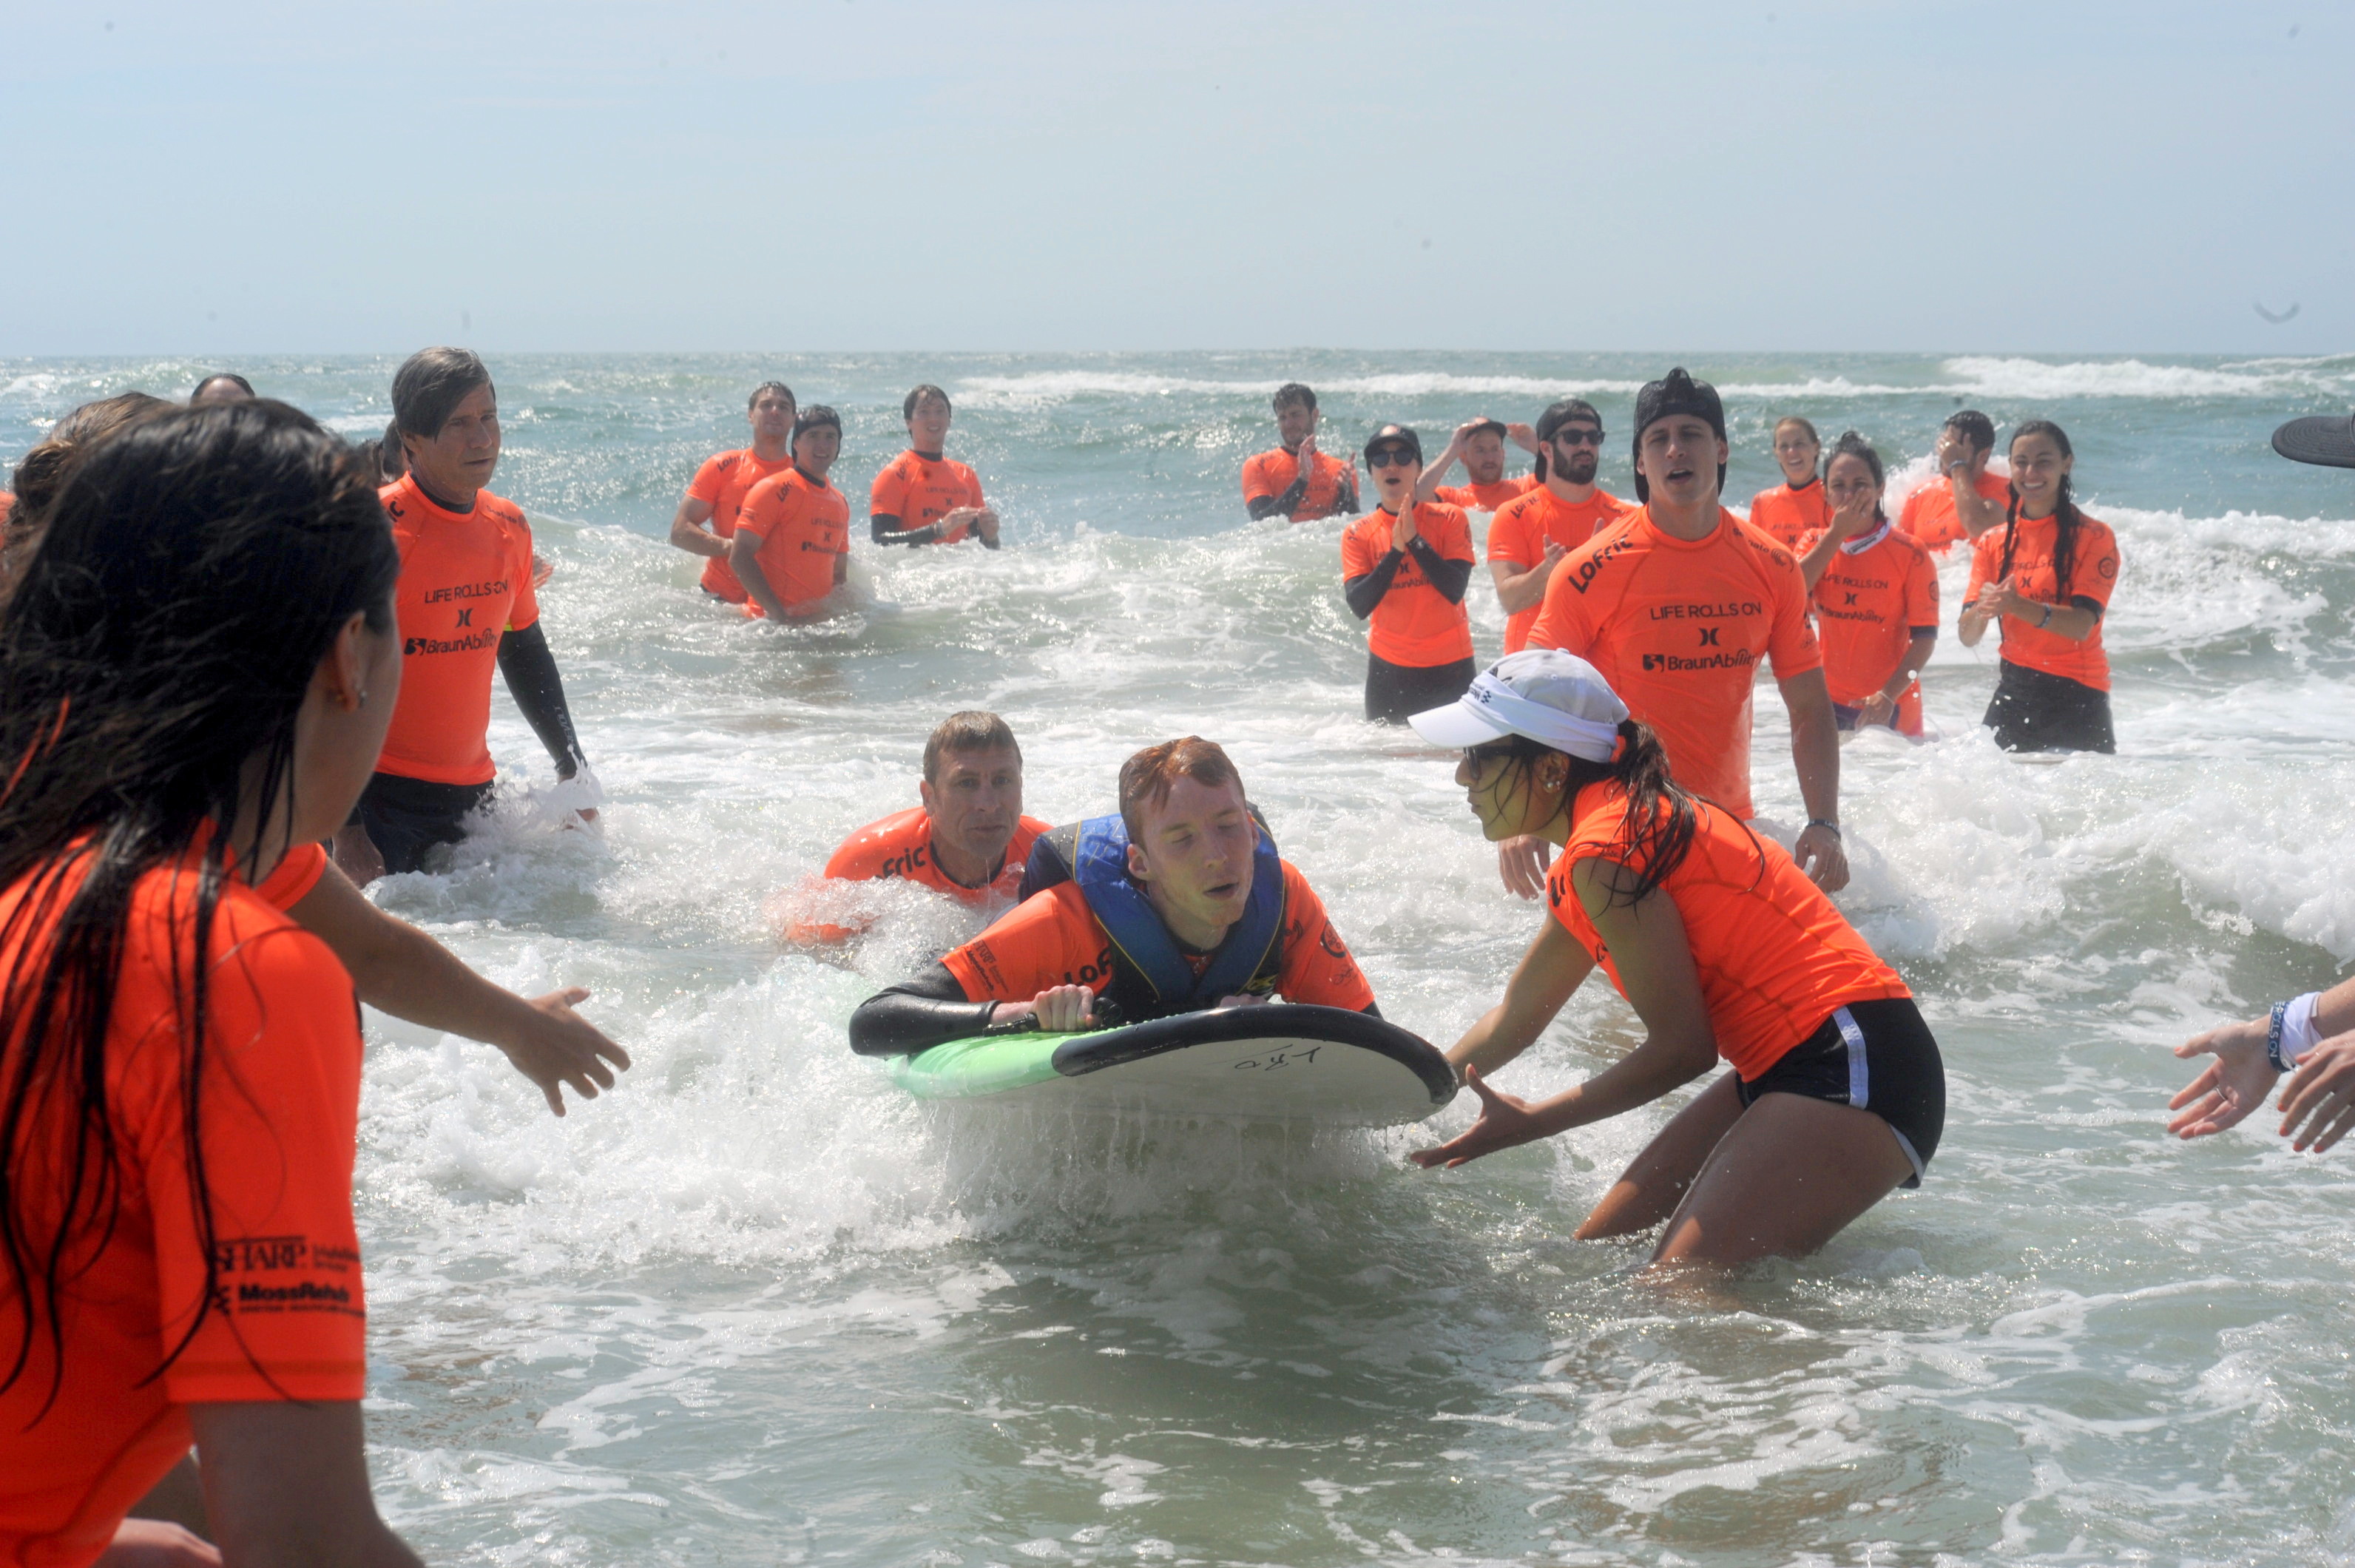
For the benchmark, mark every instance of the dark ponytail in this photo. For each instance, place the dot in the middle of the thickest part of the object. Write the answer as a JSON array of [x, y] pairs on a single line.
[[192, 572], [1656, 829], [2065, 518]]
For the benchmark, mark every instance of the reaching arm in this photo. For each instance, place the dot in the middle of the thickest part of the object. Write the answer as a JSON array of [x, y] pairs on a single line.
[[917, 1015], [530, 667], [1819, 557], [1815, 754], [1427, 486], [400, 970], [1550, 973], [690, 532], [1653, 958], [286, 1486]]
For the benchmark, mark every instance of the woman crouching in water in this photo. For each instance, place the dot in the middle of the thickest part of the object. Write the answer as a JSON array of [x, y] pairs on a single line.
[[1725, 948]]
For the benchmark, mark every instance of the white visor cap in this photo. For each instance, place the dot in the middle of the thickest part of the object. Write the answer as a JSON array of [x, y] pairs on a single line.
[[1555, 699]]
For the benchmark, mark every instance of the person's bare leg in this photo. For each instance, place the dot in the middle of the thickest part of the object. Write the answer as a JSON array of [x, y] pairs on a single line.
[[1790, 1175], [1649, 1191], [357, 856]]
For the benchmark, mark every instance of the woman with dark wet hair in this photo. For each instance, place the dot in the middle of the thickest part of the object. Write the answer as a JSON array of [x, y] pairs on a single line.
[[196, 673]]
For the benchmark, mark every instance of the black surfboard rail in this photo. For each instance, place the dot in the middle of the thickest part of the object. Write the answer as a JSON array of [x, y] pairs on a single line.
[[1276, 1021]]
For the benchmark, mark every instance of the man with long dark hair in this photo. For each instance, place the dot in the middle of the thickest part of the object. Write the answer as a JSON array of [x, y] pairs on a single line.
[[467, 604]]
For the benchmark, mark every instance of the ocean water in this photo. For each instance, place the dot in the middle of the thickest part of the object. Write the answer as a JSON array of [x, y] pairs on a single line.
[[756, 1307]]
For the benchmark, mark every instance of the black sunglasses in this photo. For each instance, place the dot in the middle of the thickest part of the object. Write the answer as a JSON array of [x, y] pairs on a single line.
[[1390, 457], [1579, 435], [1480, 756]]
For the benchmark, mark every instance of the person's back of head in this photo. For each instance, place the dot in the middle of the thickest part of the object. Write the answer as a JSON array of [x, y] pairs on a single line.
[[220, 387], [41, 471], [196, 567], [192, 572]]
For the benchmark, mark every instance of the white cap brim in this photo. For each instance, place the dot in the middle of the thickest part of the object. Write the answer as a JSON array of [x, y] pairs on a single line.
[[1457, 724]]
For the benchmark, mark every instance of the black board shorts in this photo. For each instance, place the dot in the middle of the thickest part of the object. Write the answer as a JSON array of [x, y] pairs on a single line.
[[1878, 1056], [1395, 690], [2034, 712], [408, 819]]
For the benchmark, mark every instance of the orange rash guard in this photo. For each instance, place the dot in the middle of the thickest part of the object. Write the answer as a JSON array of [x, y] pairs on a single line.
[[1774, 956], [1679, 627]]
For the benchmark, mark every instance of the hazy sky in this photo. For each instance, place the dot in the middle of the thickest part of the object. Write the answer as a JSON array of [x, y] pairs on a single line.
[[866, 175]]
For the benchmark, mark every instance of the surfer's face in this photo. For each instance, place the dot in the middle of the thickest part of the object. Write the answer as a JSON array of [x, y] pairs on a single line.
[[1296, 423], [928, 426], [1195, 859], [976, 803]]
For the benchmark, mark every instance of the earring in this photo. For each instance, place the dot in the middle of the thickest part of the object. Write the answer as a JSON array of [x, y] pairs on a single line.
[[363, 697]]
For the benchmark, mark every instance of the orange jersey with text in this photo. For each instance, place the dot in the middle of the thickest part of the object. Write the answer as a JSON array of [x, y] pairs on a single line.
[[917, 490], [1787, 516], [721, 483], [1052, 938], [1773, 957], [278, 1114], [803, 527], [1485, 497], [1414, 624], [1868, 607], [1331, 481], [2092, 573], [465, 579], [901, 846], [1678, 628], [1523, 527], [1928, 515]]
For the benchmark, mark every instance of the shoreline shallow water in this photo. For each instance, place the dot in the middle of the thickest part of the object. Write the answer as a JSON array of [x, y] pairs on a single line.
[[757, 1305]]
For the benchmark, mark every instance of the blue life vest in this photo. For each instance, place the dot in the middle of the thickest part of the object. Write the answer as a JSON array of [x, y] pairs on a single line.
[[1101, 868]]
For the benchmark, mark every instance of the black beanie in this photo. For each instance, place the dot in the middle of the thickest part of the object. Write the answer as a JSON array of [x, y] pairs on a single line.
[[1675, 394]]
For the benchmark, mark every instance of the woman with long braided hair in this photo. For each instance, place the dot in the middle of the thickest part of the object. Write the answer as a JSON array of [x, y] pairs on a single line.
[[2047, 575]]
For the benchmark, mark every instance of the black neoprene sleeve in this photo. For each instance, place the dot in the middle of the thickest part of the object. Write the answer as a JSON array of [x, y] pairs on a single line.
[[884, 528], [916, 1016], [1284, 504], [1448, 576], [1364, 593], [530, 667]]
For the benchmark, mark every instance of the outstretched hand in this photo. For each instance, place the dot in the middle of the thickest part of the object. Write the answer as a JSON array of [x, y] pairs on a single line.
[[1503, 1122], [2234, 1084], [561, 1047]]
